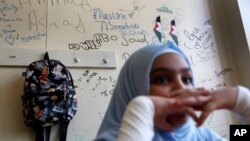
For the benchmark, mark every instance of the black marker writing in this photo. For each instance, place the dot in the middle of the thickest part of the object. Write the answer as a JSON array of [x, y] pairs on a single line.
[[79, 27], [128, 41], [223, 72], [34, 22], [83, 4], [125, 56], [93, 44]]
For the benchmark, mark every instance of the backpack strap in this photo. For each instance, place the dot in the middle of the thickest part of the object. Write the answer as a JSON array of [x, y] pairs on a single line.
[[47, 133], [39, 132], [63, 130]]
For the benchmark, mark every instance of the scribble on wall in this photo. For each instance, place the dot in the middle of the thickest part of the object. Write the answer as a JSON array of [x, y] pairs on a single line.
[[96, 83], [164, 9], [136, 8], [201, 43]]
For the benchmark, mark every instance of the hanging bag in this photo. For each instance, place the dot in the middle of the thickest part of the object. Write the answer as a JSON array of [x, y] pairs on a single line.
[[49, 97]]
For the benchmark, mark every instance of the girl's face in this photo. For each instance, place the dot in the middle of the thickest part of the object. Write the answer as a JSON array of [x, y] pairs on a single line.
[[170, 72]]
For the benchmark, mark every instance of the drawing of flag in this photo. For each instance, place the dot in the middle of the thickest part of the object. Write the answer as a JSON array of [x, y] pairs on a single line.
[[157, 29], [173, 32]]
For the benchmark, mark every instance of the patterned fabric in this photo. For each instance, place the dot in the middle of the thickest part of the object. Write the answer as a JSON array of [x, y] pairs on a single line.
[[49, 94]]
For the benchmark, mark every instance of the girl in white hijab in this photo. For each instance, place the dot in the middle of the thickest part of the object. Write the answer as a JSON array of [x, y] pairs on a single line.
[[135, 80]]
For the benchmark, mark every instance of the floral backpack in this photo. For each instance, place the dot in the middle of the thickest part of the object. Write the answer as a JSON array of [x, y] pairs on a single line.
[[49, 97]]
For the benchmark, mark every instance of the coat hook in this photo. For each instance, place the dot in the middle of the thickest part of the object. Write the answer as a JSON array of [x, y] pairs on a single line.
[[105, 61], [77, 60]]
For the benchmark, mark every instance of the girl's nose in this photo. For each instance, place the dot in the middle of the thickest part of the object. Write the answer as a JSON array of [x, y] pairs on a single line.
[[178, 84]]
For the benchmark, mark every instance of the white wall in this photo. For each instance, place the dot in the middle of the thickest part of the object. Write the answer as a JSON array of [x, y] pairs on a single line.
[[238, 39], [244, 6], [213, 60]]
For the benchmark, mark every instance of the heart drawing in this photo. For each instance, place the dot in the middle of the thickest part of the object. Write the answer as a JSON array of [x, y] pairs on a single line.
[[10, 39]]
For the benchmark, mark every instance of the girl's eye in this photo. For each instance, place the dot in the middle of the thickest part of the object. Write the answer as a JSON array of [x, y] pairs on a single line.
[[187, 80], [160, 80]]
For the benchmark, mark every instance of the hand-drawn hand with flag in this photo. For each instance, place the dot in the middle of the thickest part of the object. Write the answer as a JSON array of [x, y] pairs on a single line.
[[173, 32], [157, 29], [160, 35]]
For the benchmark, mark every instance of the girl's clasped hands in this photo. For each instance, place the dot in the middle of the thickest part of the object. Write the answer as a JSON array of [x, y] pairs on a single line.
[[188, 101]]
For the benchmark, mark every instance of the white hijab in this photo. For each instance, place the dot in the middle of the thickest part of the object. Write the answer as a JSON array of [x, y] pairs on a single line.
[[133, 80]]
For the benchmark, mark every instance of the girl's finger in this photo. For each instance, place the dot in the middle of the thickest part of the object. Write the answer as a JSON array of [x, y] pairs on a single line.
[[192, 100], [202, 118], [199, 91], [190, 111]]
